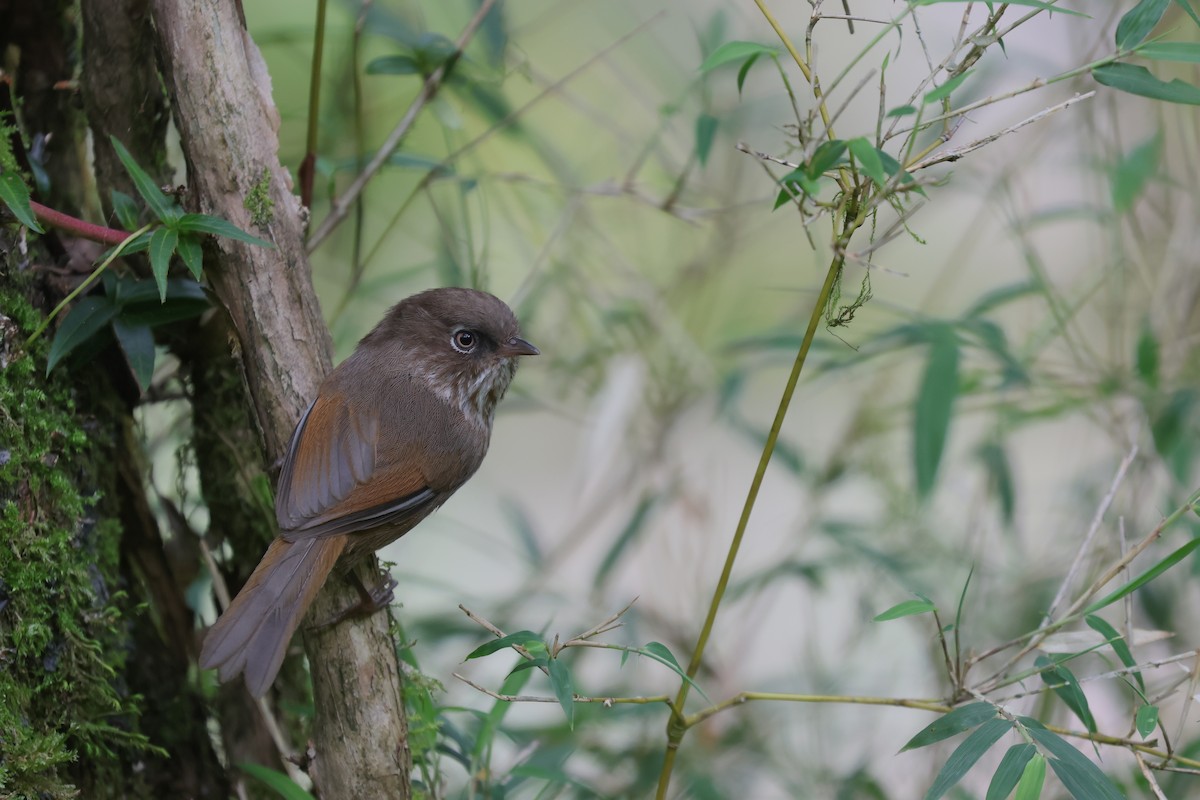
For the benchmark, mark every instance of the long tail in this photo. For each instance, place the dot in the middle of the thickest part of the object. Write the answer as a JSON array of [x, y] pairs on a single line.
[[253, 633]]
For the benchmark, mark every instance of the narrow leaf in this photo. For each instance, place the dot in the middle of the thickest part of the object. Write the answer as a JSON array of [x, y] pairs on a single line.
[[1083, 779], [1010, 770], [1064, 684], [192, 254], [1171, 51], [1146, 720], [1042, 4], [1138, 80], [162, 247], [83, 322], [744, 70], [935, 407], [902, 111], [1032, 779], [392, 65], [960, 719], [965, 756], [906, 609], [1146, 359], [520, 639], [868, 159], [999, 471], [1118, 644], [560, 679], [943, 91], [734, 51], [126, 210], [1137, 23], [1131, 173], [706, 130], [284, 786], [137, 343], [15, 194], [632, 528], [1145, 577], [159, 203], [1191, 12], [202, 223], [826, 156]]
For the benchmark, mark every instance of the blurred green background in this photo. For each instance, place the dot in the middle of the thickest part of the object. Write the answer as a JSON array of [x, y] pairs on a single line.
[[565, 173]]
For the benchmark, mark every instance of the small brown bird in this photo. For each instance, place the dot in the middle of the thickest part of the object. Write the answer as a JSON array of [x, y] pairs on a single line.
[[394, 431]]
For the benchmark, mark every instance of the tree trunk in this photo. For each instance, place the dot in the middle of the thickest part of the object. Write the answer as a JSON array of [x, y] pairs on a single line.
[[228, 129]]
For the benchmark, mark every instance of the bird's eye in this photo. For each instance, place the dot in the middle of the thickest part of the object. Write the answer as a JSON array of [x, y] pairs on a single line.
[[464, 341]]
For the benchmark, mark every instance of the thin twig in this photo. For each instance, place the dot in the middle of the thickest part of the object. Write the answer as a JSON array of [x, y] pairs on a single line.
[[531, 698]]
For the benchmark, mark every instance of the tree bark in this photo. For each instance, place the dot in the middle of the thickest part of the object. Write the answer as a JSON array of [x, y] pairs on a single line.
[[228, 129]]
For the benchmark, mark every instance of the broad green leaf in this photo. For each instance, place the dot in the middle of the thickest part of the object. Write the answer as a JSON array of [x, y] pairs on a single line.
[[1145, 577], [83, 322], [126, 210], [827, 156], [706, 129], [965, 756], [955, 722], [902, 111], [538, 662], [137, 343], [799, 183], [868, 159], [202, 223], [943, 91], [1138, 80], [392, 65], [192, 254], [1010, 770], [1032, 779], [284, 786], [1042, 4], [15, 194], [1171, 51], [1146, 720], [744, 70], [734, 51], [1146, 358], [934, 406], [159, 203], [1137, 23], [1118, 644], [1130, 174], [1083, 779], [906, 609], [1064, 684], [560, 679], [162, 247], [520, 639]]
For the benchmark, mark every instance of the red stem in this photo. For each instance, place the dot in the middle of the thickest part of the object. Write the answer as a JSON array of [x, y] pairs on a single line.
[[57, 219]]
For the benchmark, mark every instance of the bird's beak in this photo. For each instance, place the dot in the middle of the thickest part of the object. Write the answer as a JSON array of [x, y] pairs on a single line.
[[516, 346]]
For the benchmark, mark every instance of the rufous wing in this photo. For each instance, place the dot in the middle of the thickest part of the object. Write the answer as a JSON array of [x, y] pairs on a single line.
[[334, 479]]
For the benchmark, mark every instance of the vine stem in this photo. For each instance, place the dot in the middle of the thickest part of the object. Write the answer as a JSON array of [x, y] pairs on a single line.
[[33, 337], [678, 724]]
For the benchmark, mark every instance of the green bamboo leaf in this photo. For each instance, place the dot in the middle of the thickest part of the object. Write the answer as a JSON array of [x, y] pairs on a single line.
[[1137, 23], [159, 203], [1145, 577], [193, 256], [943, 91], [1146, 359], [162, 247], [744, 70], [827, 156], [999, 471], [284, 786], [519, 639], [663, 655], [560, 679], [800, 184], [735, 51], [1138, 80], [1129, 176], [965, 756], [902, 111], [126, 210], [15, 194], [1032, 779], [1083, 779], [934, 406], [1118, 644], [84, 321], [137, 343], [392, 65], [1064, 684], [1171, 51], [1010, 770], [955, 722], [1146, 720], [906, 609], [490, 723], [1187, 7], [868, 158], [202, 223], [632, 528]]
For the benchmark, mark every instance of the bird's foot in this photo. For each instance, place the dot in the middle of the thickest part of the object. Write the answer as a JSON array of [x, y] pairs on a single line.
[[369, 600]]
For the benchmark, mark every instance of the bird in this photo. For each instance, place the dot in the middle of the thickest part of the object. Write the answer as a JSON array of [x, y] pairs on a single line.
[[394, 431]]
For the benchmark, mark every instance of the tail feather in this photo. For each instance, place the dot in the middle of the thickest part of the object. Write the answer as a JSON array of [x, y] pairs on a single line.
[[252, 635]]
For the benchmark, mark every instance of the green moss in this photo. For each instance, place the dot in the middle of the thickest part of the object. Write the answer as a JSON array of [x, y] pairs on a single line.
[[259, 202], [61, 633]]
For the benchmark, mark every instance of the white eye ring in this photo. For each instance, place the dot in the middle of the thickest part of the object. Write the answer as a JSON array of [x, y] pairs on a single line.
[[464, 341]]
